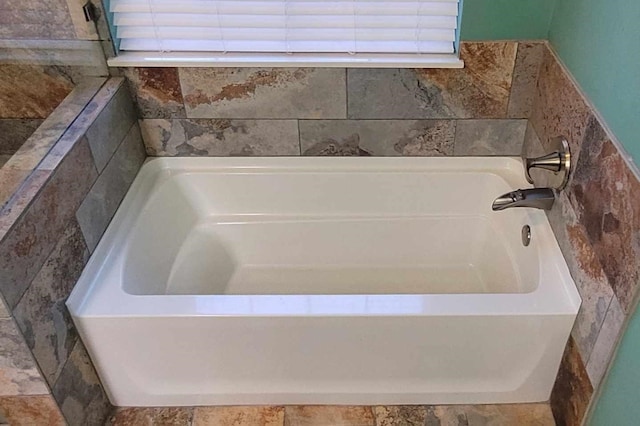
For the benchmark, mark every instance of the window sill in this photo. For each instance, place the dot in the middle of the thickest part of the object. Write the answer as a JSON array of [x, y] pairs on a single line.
[[321, 60]]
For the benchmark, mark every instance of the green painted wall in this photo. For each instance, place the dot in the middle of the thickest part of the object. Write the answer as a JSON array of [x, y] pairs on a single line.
[[599, 41], [506, 19], [619, 404]]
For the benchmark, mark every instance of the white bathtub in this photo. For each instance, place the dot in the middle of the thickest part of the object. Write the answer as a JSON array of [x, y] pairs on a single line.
[[325, 281]]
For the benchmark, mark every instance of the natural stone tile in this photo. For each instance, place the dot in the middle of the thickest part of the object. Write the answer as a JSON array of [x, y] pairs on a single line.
[[400, 415], [558, 108], [525, 77], [28, 243], [440, 415], [377, 137], [156, 92], [604, 193], [4, 312], [14, 132], [572, 391], [179, 416], [35, 19], [489, 137], [18, 201], [204, 137], [36, 410], [105, 196], [3, 161], [83, 30], [110, 127], [479, 90], [316, 415], [264, 92], [79, 393], [510, 414], [239, 416], [31, 91], [41, 313], [606, 343], [586, 271], [18, 372]]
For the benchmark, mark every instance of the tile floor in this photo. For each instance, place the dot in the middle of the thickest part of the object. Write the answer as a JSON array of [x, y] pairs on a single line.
[[438, 415]]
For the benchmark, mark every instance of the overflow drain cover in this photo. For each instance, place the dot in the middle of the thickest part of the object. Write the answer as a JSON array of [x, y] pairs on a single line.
[[526, 235]]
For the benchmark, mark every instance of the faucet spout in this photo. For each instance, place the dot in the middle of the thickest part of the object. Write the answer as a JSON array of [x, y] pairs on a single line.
[[537, 198]]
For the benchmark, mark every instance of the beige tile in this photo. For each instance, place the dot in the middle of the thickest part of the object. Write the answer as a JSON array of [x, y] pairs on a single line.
[[400, 415], [161, 416], [19, 374], [324, 415], [525, 78], [38, 410], [510, 414], [238, 416]]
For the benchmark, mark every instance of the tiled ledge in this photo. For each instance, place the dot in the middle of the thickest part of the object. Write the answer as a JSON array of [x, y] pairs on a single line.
[[472, 415]]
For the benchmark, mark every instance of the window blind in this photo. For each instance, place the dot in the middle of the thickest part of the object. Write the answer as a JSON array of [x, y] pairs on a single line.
[[286, 26]]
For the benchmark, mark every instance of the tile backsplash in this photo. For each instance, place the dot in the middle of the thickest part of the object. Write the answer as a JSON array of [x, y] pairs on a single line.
[[478, 110]]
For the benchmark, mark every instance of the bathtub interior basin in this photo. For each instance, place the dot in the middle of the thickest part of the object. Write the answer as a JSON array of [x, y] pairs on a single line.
[[238, 275]]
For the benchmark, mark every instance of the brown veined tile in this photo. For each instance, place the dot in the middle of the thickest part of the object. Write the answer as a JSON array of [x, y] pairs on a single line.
[[479, 90], [510, 414], [604, 193], [40, 410], [239, 416], [324, 415], [572, 391], [441, 415], [161, 416], [558, 107], [400, 415], [156, 92], [31, 91], [312, 93]]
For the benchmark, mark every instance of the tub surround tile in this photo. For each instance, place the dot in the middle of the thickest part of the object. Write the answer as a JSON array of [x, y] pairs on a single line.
[[14, 132], [212, 137], [510, 414], [558, 108], [525, 77], [573, 390], [105, 196], [586, 271], [604, 194], [40, 410], [83, 30], [20, 200], [479, 90], [18, 372], [328, 415], [110, 127], [489, 137], [400, 415], [28, 243], [606, 343], [239, 416], [41, 313], [36, 19], [156, 92], [264, 92], [179, 416], [79, 393], [3, 160], [377, 137], [31, 91]]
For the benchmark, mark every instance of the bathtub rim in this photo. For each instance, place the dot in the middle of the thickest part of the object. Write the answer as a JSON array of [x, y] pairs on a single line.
[[88, 297]]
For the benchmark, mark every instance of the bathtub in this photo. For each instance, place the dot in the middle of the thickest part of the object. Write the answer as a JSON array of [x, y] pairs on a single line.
[[229, 281]]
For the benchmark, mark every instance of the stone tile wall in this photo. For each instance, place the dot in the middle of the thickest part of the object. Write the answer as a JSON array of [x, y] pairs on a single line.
[[47, 234], [478, 110], [597, 224]]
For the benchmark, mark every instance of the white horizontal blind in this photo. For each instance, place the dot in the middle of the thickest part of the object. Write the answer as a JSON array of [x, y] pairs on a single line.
[[287, 26]]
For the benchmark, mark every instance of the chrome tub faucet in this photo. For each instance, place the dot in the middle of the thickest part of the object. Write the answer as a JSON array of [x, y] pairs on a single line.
[[537, 198]]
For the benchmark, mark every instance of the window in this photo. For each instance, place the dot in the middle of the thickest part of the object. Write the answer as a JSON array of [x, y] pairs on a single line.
[[286, 32]]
